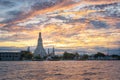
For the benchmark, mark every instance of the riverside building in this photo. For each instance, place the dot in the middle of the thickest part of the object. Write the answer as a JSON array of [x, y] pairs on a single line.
[[10, 56]]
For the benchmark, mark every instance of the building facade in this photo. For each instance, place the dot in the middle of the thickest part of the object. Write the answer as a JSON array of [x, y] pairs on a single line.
[[10, 56]]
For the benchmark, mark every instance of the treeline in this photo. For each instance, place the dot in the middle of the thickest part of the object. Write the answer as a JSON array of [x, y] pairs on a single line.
[[70, 56], [97, 56]]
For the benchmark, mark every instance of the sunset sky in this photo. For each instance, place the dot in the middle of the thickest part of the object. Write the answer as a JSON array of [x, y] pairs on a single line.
[[68, 25]]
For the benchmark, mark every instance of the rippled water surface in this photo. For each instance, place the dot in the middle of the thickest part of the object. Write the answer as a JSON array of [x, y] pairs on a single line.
[[60, 70]]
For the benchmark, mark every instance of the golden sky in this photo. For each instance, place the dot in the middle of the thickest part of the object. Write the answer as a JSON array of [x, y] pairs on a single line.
[[66, 24]]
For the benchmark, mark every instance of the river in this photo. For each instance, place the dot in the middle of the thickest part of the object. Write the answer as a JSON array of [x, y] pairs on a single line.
[[60, 70]]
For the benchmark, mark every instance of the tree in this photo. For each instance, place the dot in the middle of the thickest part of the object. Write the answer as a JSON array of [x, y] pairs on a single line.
[[116, 56], [99, 54], [56, 57], [27, 55], [84, 57], [37, 57], [68, 56]]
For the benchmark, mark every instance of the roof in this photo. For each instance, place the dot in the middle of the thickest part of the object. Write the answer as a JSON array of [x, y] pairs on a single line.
[[10, 52]]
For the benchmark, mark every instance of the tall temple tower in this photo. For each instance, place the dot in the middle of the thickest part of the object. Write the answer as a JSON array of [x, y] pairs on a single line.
[[40, 51]]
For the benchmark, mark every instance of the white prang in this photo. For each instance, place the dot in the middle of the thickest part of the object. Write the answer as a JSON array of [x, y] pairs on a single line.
[[40, 51]]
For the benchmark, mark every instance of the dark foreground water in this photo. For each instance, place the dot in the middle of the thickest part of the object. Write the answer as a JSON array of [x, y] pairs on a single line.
[[60, 70]]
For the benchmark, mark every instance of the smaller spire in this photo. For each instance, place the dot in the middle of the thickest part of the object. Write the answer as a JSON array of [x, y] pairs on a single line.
[[48, 51], [53, 51], [28, 49]]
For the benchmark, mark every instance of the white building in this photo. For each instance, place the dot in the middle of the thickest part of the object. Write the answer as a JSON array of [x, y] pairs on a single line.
[[40, 51]]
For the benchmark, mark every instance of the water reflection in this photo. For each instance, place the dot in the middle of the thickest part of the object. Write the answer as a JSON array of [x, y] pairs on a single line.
[[60, 70]]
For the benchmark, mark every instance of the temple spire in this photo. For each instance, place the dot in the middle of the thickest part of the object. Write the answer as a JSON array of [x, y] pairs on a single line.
[[40, 51], [39, 34]]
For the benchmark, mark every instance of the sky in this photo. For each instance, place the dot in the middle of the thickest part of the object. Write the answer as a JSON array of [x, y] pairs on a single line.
[[84, 26]]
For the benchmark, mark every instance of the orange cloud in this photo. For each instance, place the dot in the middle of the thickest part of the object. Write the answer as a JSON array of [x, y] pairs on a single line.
[[67, 35], [96, 2]]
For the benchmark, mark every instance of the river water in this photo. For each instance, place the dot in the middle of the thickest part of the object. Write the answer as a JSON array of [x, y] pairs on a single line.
[[60, 70]]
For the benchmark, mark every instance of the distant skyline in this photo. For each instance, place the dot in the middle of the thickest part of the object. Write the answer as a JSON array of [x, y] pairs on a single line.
[[68, 25]]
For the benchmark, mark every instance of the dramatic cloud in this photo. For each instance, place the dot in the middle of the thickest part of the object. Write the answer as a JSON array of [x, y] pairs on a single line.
[[5, 3], [73, 25], [99, 24]]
